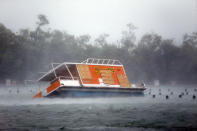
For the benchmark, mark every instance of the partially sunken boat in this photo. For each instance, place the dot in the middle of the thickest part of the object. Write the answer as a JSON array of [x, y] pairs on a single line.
[[92, 77]]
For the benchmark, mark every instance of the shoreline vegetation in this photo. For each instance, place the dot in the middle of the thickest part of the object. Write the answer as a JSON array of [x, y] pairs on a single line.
[[27, 52]]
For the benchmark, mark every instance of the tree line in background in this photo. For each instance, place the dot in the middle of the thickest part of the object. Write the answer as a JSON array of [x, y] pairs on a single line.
[[27, 52]]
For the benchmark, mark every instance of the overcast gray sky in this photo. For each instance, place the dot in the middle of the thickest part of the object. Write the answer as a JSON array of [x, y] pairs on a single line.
[[170, 18]]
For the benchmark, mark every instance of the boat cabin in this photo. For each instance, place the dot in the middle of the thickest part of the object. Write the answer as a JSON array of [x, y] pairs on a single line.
[[91, 73]]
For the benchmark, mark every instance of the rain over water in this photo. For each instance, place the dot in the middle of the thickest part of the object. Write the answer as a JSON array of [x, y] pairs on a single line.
[[77, 43], [161, 108]]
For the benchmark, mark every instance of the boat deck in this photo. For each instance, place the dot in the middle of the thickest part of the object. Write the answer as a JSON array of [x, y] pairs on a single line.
[[96, 92]]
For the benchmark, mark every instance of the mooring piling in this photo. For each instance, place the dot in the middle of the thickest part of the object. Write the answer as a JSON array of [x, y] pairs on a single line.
[[167, 97], [17, 91], [194, 97]]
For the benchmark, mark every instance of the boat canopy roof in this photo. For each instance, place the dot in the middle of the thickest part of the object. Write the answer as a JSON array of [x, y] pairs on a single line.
[[52, 74], [63, 69]]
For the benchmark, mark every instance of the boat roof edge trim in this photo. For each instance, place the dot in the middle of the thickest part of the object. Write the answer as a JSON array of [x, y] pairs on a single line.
[[70, 63], [102, 61]]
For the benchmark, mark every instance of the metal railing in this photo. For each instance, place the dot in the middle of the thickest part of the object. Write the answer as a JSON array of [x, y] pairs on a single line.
[[102, 61], [64, 78]]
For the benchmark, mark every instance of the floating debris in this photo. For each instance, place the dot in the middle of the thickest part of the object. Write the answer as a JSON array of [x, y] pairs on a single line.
[[194, 97], [17, 91], [167, 97], [62, 128], [154, 96]]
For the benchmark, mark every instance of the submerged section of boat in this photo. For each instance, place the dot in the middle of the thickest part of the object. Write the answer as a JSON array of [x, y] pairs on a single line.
[[95, 92], [92, 77]]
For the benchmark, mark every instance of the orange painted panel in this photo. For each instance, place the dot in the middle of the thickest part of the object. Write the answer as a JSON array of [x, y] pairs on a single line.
[[123, 80], [84, 71], [107, 76], [39, 95], [53, 86], [95, 72]]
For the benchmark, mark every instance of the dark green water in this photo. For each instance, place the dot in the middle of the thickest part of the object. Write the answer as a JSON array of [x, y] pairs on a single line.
[[145, 113]]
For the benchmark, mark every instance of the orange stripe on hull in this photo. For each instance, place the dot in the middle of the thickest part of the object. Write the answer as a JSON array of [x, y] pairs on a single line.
[[53, 86], [49, 89], [39, 95]]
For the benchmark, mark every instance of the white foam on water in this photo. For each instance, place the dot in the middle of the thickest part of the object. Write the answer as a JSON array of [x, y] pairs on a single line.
[[23, 112], [23, 96]]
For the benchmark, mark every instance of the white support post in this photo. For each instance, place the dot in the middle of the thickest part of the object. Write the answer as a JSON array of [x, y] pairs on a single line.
[[108, 61], [119, 62], [54, 70], [98, 61], [69, 72], [103, 61], [59, 78], [92, 61], [87, 61]]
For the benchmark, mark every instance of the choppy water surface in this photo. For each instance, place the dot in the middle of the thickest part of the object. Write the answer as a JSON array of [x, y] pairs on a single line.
[[18, 111]]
